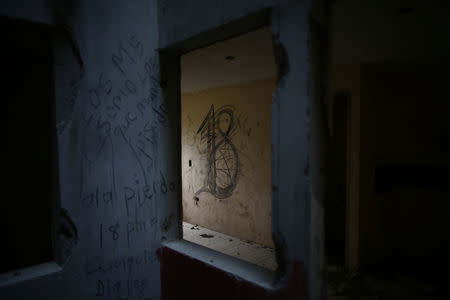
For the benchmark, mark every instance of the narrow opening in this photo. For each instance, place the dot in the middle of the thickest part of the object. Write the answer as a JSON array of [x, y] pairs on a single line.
[[28, 155], [226, 92], [335, 221]]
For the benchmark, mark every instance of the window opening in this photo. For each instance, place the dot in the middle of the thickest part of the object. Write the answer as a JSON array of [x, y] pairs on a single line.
[[226, 93]]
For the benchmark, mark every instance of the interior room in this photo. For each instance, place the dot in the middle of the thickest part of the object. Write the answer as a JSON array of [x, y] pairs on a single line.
[[388, 191], [226, 95]]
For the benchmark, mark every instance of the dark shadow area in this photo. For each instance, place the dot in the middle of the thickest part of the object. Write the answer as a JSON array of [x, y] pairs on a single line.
[[29, 148], [394, 209], [337, 183], [404, 184], [389, 176]]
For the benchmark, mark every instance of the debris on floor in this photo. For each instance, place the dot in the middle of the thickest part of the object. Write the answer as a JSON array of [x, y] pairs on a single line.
[[205, 235], [246, 250]]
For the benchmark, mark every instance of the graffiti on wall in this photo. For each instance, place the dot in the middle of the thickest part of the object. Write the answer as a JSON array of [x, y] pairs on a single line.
[[216, 131], [122, 118]]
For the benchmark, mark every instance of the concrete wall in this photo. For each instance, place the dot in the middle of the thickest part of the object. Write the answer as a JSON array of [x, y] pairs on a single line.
[[107, 228], [117, 120], [244, 210], [297, 150]]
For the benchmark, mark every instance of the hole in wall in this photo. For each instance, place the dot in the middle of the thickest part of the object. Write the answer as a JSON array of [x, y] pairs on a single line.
[[226, 129]]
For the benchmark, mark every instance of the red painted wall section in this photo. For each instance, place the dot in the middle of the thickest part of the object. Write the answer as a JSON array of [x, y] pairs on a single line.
[[183, 277]]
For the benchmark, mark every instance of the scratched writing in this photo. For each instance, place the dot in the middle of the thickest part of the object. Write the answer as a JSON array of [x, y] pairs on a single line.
[[216, 132], [126, 264], [109, 105], [143, 195], [98, 198], [123, 118], [122, 289], [118, 231]]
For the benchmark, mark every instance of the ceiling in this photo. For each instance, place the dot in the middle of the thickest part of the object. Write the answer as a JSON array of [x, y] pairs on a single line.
[[366, 31], [208, 67], [390, 30]]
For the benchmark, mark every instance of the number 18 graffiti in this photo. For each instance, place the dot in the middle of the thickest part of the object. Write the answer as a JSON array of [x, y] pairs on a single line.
[[222, 156]]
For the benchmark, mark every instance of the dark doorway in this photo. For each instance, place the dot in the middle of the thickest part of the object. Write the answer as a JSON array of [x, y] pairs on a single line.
[[337, 192], [28, 158]]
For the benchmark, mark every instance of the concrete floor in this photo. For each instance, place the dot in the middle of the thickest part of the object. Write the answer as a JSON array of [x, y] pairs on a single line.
[[345, 286], [246, 250]]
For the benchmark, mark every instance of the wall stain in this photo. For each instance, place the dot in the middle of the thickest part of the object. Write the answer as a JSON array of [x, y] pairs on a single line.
[[167, 223], [67, 234], [281, 59]]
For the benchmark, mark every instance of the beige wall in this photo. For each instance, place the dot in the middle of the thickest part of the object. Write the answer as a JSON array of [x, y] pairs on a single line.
[[245, 209]]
